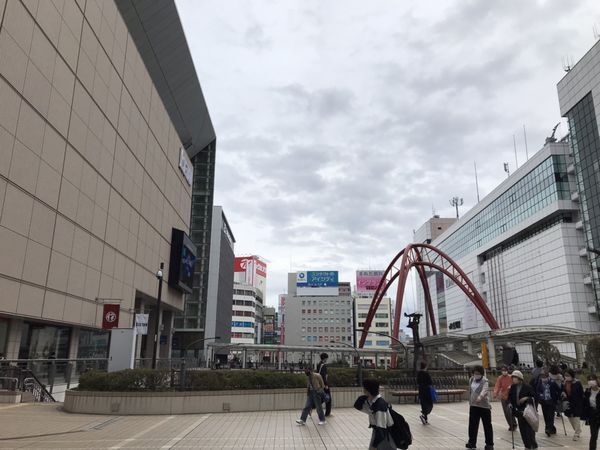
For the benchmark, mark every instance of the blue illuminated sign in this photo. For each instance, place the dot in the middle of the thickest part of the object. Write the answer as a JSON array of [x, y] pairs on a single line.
[[317, 279]]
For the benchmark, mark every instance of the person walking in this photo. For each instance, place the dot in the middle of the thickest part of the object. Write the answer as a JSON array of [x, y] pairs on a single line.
[[501, 389], [373, 404], [519, 396], [425, 384], [322, 370], [572, 398], [314, 397], [548, 394], [591, 409], [479, 409]]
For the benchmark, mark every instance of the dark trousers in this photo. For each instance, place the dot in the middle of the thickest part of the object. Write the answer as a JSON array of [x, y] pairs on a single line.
[[527, 433], [328, 403], [549, 411], [485, 415], [508, 414], [594, 426]]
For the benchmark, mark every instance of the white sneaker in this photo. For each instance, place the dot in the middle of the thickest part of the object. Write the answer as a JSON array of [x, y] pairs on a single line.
[[576, 437], [322, 422], [300, 422]]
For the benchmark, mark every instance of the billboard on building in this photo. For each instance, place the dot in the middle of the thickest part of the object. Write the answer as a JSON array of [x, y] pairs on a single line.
[[317, 283], [251, 270], [182, 261], [367, 281]]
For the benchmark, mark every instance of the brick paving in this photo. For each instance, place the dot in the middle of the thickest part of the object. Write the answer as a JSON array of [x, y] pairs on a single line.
[[48, 427]]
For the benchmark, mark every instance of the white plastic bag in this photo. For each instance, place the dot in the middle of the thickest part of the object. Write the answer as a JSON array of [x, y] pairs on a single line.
[[531, 416]]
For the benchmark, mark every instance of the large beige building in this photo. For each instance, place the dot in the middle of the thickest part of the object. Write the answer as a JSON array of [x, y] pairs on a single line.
[[90, 178]]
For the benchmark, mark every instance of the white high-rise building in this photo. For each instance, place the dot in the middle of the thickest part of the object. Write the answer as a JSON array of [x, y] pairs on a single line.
[[250, 275]]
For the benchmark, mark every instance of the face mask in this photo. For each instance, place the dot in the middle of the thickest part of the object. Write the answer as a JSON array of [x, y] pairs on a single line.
[[477, 377], [504, 372], [515, 380], [568, 378], [593, 384]]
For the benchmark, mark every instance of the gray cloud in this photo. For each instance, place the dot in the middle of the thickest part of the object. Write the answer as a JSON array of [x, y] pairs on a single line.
[[340, 126]]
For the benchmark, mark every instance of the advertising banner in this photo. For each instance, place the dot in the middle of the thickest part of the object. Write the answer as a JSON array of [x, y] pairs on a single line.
[[317, 279], [110, 316], [368, 280], [253, 268], [141, 324]]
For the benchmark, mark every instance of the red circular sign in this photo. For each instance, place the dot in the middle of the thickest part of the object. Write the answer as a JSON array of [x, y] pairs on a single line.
[[110, 317]]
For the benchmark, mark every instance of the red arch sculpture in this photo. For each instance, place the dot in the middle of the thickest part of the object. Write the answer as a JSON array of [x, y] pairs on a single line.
[[422, 256]]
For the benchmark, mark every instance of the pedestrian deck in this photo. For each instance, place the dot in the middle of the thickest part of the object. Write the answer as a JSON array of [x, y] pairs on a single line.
[[48, 427]]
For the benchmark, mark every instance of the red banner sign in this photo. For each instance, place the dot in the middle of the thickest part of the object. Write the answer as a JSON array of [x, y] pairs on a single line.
[[110, 316]]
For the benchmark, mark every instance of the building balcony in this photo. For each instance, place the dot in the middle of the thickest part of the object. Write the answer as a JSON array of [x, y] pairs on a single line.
[[575, 196], [587, 280], [571, 169], [592, 309], [579, 225]]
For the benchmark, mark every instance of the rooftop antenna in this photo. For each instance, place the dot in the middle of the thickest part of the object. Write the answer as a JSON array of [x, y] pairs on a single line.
[[432, 210], [476, 180], [456, 202], [567, 63], [515, 146], [525, 139], [507, 169], [596, 31]]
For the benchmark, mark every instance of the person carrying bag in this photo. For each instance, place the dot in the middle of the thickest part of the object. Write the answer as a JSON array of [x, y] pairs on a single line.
[[521, 397], [314, 398]]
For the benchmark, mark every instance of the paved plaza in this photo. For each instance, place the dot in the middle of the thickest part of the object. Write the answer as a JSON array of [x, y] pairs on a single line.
[[47, 426]]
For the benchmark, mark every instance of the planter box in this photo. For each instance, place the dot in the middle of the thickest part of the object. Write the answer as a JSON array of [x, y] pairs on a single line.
[[144, 403], [10, 397]]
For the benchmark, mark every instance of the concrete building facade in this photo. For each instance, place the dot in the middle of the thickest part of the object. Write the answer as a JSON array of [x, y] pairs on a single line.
[[319, 319], [90, 178], [382, 323], [243, 318], [522, 248], [579, 99], [220, 279]]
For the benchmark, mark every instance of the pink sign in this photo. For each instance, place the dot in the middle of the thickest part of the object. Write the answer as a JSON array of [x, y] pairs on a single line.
[[368, 280]]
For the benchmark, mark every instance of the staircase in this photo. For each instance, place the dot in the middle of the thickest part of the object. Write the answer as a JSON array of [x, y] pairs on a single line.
[[14, 378], [455, 359]]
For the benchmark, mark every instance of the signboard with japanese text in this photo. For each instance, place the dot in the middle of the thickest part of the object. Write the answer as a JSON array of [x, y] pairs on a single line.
[[367, 281], [317, 283]]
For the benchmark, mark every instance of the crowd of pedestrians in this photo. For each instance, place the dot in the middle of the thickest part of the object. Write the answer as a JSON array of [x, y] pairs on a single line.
[[550, 395]]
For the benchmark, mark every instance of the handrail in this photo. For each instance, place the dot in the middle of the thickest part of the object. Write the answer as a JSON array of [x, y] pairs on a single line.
[[42, 393]]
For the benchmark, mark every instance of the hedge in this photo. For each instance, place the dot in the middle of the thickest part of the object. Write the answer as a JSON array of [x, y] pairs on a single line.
[[216, 380]]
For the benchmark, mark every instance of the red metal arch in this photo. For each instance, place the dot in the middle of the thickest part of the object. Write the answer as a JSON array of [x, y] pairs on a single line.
[[421, 256]]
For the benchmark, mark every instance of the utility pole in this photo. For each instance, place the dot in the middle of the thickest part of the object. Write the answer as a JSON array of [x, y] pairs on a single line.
[[456, 202]]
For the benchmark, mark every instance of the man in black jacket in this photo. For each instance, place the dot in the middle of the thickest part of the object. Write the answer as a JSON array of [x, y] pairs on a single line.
[[322, 370]]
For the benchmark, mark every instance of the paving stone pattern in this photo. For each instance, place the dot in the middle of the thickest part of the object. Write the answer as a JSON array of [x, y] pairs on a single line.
[[48, 427]]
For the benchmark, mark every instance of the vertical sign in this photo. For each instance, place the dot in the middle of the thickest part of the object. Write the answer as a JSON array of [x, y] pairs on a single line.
[[141, 324], [110, 316]]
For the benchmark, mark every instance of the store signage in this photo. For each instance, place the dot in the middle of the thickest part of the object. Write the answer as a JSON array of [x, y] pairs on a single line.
[[141, 324], [367, 281], [317, 279], [185, 165], [110, 316]]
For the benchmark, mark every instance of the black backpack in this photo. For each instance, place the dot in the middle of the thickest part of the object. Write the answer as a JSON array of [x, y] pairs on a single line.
[[400, 431]]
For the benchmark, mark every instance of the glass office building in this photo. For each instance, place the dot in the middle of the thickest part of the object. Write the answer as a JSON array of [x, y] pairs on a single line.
[[521, 246]]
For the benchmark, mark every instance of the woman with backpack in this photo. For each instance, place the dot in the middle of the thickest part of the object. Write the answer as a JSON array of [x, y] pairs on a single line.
[[480, 409], [380, 419], [572, 398]]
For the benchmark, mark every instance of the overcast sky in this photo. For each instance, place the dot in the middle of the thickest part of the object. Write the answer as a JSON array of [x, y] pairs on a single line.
[[341, 124]]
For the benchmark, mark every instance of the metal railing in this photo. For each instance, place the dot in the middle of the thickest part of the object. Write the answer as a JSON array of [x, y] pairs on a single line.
[[50, 373]]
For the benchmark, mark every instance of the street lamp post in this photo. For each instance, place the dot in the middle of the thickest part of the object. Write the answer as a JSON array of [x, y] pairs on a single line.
[[379, 333], [359, 368], [159, 276]]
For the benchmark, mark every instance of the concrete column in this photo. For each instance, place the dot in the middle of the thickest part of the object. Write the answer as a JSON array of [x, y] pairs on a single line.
[[244, 359], [74, 343], [15, 329], [579, 354], [491, 352], [469, 347]]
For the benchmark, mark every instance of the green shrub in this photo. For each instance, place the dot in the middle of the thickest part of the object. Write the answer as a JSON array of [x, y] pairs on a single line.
[[204, 380], [126, 380]]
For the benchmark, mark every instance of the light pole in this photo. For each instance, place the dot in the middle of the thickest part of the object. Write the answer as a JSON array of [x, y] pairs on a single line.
[[379, 333], [359, 368], [159, 276]]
